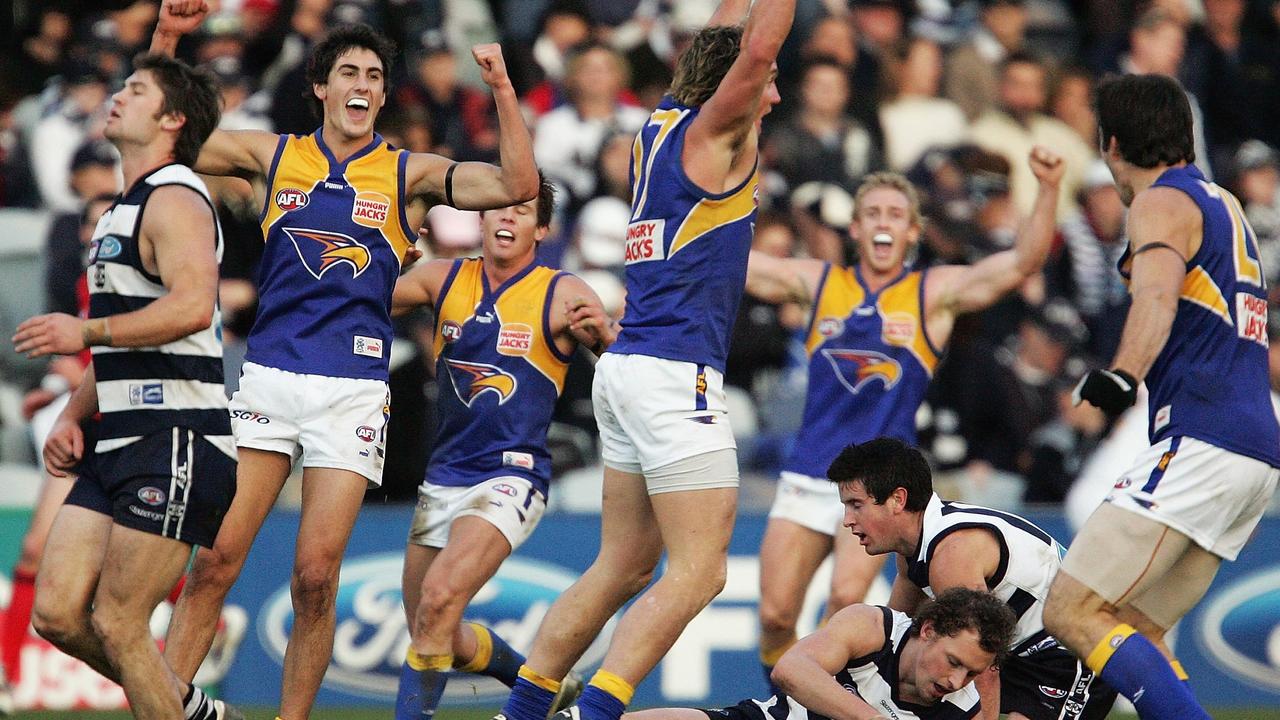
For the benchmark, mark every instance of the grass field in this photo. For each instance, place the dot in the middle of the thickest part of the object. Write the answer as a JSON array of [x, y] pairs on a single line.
[[384, 713]]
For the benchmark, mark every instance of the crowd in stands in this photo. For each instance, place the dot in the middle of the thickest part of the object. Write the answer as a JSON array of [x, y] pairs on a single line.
[[952, 93]]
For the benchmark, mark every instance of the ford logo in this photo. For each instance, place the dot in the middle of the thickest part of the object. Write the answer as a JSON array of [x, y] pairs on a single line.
[[371, 637], [1241, 629]]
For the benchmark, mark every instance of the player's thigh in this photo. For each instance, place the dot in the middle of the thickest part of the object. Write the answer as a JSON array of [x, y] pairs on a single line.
[[331, 501], [53, 492], [73, 556], [696, 524], [260, 475], [853, 573], [139, 570], [476, 548], [629, 536], [1052, 684], [1119, 554], [1166, 602], [789, 556]]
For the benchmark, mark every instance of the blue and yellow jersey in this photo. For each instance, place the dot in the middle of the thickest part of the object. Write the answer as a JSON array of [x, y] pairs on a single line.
[[335, 233], [500, 373], [686, 252], [1210, 381], [870, 362]]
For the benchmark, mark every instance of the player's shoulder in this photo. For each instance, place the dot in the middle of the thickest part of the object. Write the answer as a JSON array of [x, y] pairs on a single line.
[[1164, 200]]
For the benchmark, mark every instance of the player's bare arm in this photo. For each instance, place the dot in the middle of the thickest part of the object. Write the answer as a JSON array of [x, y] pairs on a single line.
[[64, 445], [238, 153], [420, 286], [958, 289], [476, 185], [729, 12], [781, 280], [806, 671], [716, 153], [582, 320], [905, 596], [966, 558], [1164, 228], [174, 219]]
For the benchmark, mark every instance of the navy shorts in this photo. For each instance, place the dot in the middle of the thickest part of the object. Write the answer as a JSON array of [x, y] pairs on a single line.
[[175, 484], [1051, 684]]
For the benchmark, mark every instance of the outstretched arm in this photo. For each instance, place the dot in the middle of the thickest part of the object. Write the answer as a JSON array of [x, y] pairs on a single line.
[[959, 289], [806, 671], [481, 186], [780, 280], [729, 12], [238, 153]]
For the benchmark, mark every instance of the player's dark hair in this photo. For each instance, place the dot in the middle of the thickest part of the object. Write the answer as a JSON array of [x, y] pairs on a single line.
[[1150, 118], [339, 40], [546, 200], [960, 609], [189, 92], [882, 466], [708, 59]]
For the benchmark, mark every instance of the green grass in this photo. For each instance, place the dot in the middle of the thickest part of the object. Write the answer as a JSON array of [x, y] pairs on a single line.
[[481, 714]]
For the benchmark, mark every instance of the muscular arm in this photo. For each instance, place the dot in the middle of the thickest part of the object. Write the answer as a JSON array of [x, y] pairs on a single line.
[[179, 226], [779, 280], [806, 671], [729, 12], [962, 289], [419, 286], [578, 317], [238, 153], [83, 402], [966, 558], [481, 186], [905, 596], [1158, 215], [714, 137]]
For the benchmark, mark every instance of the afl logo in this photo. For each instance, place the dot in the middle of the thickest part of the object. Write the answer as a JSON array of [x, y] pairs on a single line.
[[151, 495], [829, 327], [366, 433], [290, 199], [451, 331]]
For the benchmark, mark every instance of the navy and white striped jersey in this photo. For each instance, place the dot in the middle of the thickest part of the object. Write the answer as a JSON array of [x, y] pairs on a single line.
[[143, 390], [874, 678], [1029, 559]]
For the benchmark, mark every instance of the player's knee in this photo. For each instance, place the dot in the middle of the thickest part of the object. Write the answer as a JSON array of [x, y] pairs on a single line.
[[842, 596], [776, 617], [314, 587], [439, 599], [32, 551], [213, 570], [59, 623]]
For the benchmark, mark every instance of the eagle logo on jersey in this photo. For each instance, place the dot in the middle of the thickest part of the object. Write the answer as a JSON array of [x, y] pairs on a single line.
[[321, 250], [471, 379], [856, 368]]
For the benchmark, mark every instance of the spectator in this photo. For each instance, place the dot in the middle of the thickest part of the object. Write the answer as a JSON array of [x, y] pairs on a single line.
[[459, 117], [1157, 44], [1085, 269], [39, 56], [879, 23], [912, 115], [835, 38], [822, 142], [538, 71], [1072, 103], [1257, 183], [77, 114], [613, 167], [971, 69], [1020, 123], [566, 140]]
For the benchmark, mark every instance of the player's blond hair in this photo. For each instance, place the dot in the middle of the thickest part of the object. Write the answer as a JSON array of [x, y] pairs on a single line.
[[895, 181]]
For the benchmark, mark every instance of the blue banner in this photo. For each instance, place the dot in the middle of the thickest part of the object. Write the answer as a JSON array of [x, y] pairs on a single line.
[[1230, 644]]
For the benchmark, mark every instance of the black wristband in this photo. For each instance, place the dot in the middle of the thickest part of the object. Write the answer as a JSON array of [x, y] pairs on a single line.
[[448, 184]]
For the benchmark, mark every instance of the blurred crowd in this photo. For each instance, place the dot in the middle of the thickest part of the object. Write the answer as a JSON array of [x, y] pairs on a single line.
[[952, 93]]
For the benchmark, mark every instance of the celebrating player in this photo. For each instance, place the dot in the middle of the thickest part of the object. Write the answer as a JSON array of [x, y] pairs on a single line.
[[873, 663], [889, 506], [876, 333], [1197, 333], [505, 330], [671, 469], [158, 473], [342, 207]]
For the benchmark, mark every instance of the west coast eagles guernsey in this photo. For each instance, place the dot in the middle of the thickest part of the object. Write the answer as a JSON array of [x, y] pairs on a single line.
[[500, 373], [686, 253], [1210, 381], [336, 233], [874, 678], [870, 362]]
